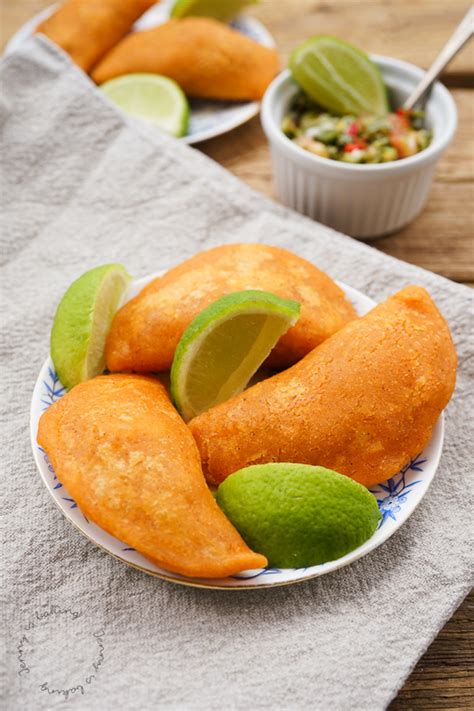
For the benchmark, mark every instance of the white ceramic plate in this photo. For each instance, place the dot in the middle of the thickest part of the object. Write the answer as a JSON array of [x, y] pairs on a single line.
[[208, 118], [397, 497]]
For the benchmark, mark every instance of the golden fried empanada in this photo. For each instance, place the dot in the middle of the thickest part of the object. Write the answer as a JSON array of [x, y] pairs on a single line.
[[363, 403], [207, 58], [146, 331], [132, 466], [88, 29]]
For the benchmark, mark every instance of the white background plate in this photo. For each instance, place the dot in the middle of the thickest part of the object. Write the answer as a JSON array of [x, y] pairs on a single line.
[[208, 118], [397, 497]]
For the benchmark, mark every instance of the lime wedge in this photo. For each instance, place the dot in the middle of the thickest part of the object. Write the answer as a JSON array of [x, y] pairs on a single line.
[[339, 77], [222, 10], [152, 98], [82, 322], [298, 515], [224, 345]]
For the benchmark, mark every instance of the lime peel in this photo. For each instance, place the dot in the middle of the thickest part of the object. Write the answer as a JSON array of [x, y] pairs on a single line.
[[298, 515]]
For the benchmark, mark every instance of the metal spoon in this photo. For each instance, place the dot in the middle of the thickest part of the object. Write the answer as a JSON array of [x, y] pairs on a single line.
[[458, 39]]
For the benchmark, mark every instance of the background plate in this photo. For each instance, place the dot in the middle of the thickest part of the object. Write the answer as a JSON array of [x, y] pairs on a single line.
[[208, 118], [397, 497]]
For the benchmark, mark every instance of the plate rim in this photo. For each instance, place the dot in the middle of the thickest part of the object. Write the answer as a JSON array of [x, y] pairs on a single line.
[[351, 557], [25, 31]]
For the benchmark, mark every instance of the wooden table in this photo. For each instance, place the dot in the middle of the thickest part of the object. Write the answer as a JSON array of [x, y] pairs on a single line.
[[441, 239]]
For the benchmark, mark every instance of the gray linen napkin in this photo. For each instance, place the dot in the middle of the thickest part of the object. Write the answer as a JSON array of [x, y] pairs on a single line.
[[81, 186]]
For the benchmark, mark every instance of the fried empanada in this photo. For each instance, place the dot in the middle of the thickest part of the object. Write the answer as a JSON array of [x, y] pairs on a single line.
[[88, 29], [132, 466], [207, 58], [146, 331], [363, 403]]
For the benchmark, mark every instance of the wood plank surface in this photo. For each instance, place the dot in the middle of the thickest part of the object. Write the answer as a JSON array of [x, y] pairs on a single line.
[[413, 30], [440, 239]]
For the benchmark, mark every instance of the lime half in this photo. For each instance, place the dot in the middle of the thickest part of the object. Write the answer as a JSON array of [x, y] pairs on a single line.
[[152, 98], [224, 346], [83, 320], [219, 9], [339, 77]]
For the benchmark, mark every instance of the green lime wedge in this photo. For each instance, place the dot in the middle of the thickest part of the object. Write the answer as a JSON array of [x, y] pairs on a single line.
[[298, 515], [152, 98], [222, 10], [339, 77], [224, 346], [83, 320]]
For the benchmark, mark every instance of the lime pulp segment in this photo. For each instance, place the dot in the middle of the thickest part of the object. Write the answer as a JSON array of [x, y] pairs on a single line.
[[152, 98], [339, 77], [225, 345]]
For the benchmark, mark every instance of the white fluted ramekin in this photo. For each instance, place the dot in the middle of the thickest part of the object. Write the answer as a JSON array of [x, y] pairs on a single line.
[[367, 200]]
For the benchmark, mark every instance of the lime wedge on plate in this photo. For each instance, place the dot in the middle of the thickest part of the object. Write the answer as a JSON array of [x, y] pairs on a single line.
[[222, 10], [339, 77], [298, 515], [224, 346], [152, 98], [83, 320]]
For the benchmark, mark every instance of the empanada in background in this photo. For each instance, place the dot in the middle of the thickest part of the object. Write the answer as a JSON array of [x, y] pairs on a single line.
[[205, 57], [88, 29], [363, 403], [132, 466], [146, 331]]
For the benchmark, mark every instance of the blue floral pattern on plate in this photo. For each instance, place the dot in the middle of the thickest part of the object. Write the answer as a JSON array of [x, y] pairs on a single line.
[[393, 494], [53, 389], [397, 497]]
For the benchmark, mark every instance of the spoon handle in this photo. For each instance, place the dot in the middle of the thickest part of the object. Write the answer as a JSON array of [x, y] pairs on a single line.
[[458, 39]]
